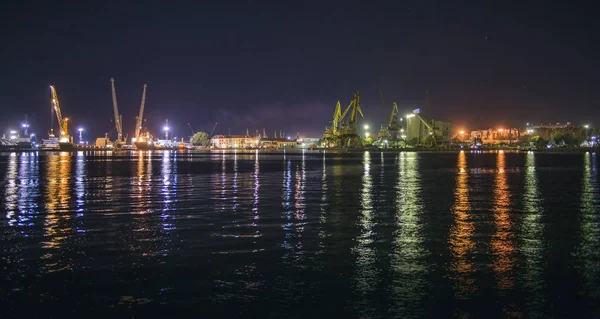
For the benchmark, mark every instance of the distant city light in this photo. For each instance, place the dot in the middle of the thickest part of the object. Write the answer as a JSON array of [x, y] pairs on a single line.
[[500, 130], [166, 128], [24, 125], [13, 132], [80, 129], [367, 134], [587, 126], [366, 126], [462, 132]]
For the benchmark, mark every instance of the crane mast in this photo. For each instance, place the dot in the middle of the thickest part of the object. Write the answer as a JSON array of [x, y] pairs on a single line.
[[62, 123], [139, 118], [118, 116]]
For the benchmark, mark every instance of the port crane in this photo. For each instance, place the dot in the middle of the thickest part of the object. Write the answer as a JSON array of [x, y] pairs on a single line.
[[343, 131], [118, 117], [62, 122], [213, 130], [140, 117], [389, 134]]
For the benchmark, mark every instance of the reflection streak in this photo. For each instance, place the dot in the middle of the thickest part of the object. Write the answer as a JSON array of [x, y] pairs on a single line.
[[408, 255], [589, 248], [531, 238], [366, 273], [462, 245], [502, 243]]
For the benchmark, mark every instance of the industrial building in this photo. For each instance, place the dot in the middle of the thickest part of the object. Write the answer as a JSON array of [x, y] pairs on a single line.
[[306, 142], [497, 136], [419, 129]]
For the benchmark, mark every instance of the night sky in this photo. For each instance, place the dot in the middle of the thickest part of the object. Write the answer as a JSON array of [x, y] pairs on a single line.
[[282, 65]]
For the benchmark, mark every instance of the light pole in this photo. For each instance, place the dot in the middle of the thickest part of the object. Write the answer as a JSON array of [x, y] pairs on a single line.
[[26, 127], [80, 136], [586, 131], [166, 129]]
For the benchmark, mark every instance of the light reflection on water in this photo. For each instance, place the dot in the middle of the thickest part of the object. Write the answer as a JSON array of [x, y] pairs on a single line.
[[531, 239], [408, 256], [270, 234], [502, 245], [462, 244], [588, 251]]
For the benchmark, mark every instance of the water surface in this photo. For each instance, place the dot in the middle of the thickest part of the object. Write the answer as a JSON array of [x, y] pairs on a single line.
[[388, 235]]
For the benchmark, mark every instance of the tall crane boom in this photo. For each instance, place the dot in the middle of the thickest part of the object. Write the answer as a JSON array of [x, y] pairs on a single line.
[[213, 130], [118, 125], [140, 117], [62, 123]]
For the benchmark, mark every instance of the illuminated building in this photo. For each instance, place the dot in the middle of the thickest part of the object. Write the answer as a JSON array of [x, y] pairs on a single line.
[[498, 135]]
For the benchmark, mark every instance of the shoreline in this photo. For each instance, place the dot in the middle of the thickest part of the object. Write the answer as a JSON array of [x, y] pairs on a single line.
[[316, 151]]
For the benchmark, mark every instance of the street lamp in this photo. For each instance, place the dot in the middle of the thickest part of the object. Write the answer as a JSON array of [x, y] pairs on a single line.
[[586, 130], [80, 136], [366, 126], [26, 127], [367, 134], [166, 129]]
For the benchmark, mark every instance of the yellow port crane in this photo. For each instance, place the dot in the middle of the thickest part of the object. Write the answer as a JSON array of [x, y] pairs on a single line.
[[118, 117], [331, 132], [344, 133], [354, 109], [62, 122], [140, 117]]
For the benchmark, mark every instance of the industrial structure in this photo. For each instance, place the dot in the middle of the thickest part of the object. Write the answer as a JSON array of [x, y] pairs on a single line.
[[63, 130], [428, 132], [118, 117], [425, 131], [392, 133], [343, 131], [139, 119]]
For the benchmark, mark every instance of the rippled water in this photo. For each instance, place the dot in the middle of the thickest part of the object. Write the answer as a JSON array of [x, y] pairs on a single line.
[[391, 235]]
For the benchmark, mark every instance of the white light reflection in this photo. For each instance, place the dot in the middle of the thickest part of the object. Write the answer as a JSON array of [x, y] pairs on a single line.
[[532, 241], [11, 190], [287, 206], [299, 205], [588, 252], [169, 183], [408, 257], [366, 272], [324, 206], [79, 185], [235, 181], [256, 192]]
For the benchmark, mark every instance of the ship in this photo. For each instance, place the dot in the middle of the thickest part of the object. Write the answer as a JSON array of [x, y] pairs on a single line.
[[145, 146], [53, 143]]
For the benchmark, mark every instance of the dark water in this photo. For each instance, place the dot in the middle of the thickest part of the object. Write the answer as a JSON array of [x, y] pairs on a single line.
[[301, 235]]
